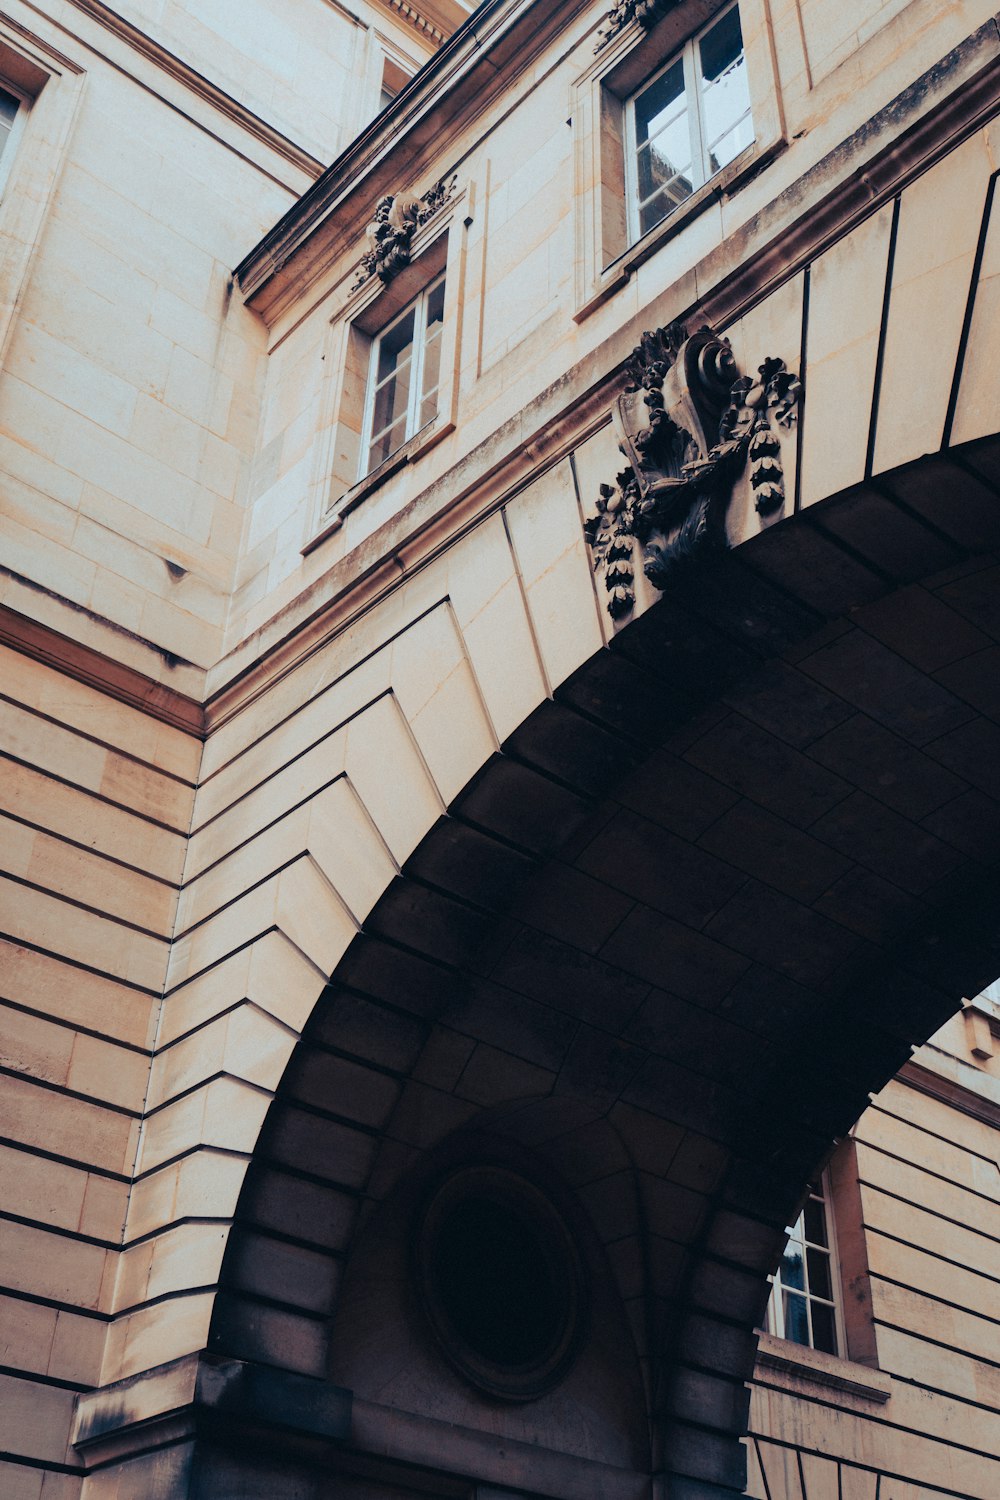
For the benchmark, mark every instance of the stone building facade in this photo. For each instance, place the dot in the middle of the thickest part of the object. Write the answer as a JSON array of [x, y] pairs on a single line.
[[501, 749]]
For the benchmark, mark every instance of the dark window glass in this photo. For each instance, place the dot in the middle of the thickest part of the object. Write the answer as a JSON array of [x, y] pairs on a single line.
[[796, 1318], [824, 1328], [814, 1221]]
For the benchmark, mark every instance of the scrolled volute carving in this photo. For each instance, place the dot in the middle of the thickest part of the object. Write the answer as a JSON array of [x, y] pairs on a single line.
[[646, 12], [691, 427], [394, 223]]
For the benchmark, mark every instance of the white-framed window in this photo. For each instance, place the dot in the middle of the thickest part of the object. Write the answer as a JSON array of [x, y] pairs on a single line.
[[13, 109], [667, 122], [805, 1298], [403, 377], [687, 122], [391, 382]]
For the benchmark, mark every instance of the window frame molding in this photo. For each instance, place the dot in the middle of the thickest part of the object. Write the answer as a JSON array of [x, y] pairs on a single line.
[[856, 1367], [50, 86], [694, 107], [13, 142], [415, 391], [775, 1309], [606, 255], [438, 247]]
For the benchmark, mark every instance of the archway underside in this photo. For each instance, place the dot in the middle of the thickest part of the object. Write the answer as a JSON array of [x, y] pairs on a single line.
[[669, 940]]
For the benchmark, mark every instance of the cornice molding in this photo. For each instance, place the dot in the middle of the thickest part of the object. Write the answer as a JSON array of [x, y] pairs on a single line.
[[456, 58], [434, 19], [97, 670], [950, 1091]]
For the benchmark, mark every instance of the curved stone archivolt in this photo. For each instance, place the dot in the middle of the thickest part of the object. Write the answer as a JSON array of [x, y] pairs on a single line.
[[709, 897], [697, 883]]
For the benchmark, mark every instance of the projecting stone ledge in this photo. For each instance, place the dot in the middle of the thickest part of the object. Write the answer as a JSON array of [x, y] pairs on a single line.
[[169, 1404]]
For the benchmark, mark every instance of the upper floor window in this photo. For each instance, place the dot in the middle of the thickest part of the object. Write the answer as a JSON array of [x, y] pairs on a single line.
[[804, 1298], [667, 122], [403, 377], [687, 122], [394, 80], [12, 112]]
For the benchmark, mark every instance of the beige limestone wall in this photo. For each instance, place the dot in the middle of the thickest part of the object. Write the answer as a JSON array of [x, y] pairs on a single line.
[[301, 65], [126, 427], [295, 834], [128, 383], [926, 1188], [96, 803]]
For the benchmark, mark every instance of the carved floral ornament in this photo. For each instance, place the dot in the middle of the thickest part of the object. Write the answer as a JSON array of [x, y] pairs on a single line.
[[691, 426], [646, 12], [394, 223]]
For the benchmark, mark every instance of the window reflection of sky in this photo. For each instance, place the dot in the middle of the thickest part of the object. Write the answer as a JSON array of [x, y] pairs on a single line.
[[691, 120], [804, 1280], [728, 127], [792, 1270], [725, 91], [663, 133]]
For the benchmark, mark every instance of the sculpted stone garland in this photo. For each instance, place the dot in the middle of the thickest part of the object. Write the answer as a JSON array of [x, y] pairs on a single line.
[[691, 426], [646, 12], [393, 225]]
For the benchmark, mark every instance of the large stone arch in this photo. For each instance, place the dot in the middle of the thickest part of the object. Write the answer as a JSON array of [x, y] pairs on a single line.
[[851, 649], [624, 913]]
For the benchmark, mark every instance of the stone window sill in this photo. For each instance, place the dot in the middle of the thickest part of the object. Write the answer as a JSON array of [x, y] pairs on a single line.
[[723, 185], [789, 1366], [408, 453]]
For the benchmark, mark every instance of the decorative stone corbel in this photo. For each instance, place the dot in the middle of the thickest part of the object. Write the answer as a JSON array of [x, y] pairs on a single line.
[[692, 428], [646, 12], [393, 225]]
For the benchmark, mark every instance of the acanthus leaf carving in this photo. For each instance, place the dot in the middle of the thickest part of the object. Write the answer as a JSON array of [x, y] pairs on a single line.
[[394, 223], [691, 426], [645, 12]]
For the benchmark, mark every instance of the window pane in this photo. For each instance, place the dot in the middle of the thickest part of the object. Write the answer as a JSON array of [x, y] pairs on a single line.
[[792, 1273], [395, 345], [824, 1329], [818, 1266], [9, 107], [663, 144], [386, 443], [725, 92], [432, 367], [435, 307], [660, 106], [391, 400], [815, 1222], [428, 409], [657, 209], [796, 1318], [722, 45]]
